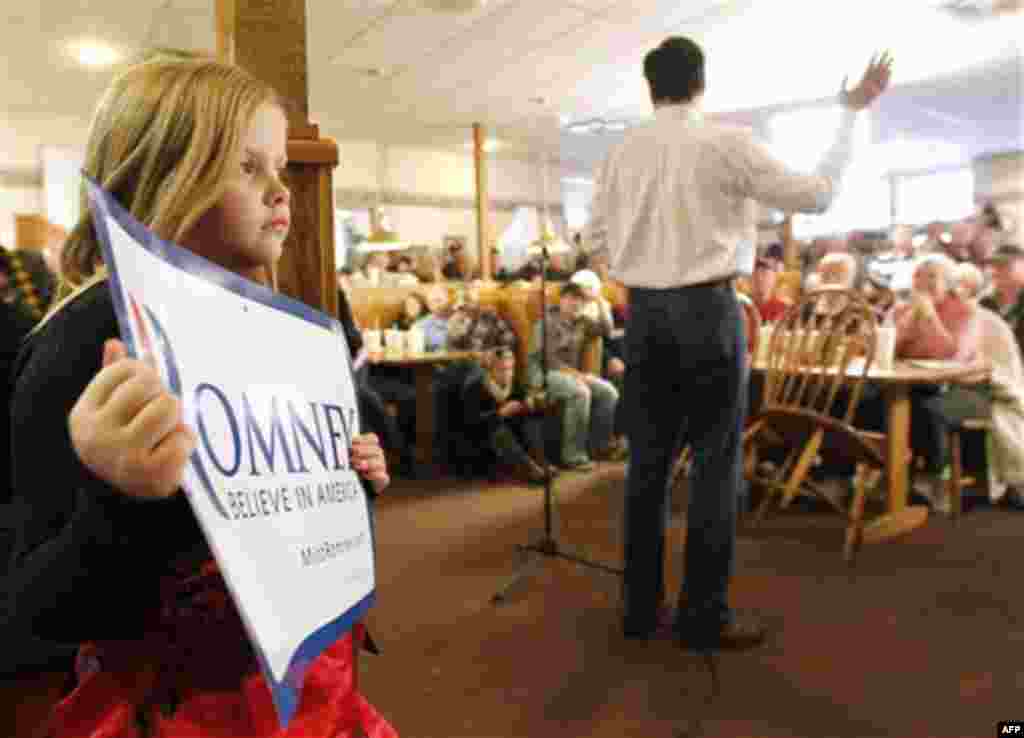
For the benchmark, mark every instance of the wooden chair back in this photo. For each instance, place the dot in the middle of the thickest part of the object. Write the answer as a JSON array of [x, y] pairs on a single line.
[[824, 343]]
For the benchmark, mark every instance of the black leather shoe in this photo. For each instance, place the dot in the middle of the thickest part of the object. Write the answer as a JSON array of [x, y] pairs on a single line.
[[744, 632]]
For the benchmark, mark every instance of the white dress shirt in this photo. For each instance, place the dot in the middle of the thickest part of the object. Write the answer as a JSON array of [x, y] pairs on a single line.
[[675, 202]]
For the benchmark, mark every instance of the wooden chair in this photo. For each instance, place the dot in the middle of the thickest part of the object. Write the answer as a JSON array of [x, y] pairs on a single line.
[[816, 367], [958, 480]]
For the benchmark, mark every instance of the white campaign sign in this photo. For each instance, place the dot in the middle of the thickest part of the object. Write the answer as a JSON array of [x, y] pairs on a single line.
[[267, 387]]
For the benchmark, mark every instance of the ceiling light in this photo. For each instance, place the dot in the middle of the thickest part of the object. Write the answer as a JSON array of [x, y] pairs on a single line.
[[597, 125], [490, 145], [94, 53]]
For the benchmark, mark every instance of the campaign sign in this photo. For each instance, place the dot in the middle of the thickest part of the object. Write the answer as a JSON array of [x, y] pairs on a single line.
[[267, 387]]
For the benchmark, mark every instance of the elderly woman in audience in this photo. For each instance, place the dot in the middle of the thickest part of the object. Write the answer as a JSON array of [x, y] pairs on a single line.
[[938, 323], [837, 269], [970, 282]]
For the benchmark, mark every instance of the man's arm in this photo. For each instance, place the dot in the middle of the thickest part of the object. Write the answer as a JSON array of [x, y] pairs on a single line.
[[762, 177]]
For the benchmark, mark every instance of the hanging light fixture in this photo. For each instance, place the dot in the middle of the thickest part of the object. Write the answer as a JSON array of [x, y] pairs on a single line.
[[382, 237]]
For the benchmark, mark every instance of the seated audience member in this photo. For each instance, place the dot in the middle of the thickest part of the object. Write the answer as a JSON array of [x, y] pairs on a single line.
[[762, 290], [474, 326], [936, 323], [414, 307], [961, 234], [372, 406], [880, 296], [988, 234], [530, 271], [1007, 297], [498, 413], [596, 307], [26, 281], [837, 269], [15, 324], [374, 270], [428, 267], [970, 282], [345, 279], [597, 262], [435, 324], [458, 265], [936, 238], [406, 266], [560, 266], [589, 402], [613, 355], [895, 262]]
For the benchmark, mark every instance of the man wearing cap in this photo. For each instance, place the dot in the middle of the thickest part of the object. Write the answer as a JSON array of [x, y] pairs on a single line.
[[675, 203], [1007, 268]]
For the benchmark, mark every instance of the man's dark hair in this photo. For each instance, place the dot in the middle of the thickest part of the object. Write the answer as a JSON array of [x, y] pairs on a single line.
[[571, 289], [675, 70]]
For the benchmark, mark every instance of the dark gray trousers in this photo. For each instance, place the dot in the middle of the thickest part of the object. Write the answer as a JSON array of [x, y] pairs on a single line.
[[686, 380]]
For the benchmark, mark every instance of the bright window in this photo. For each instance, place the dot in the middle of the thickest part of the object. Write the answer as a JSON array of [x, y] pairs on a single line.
[[946, 195]]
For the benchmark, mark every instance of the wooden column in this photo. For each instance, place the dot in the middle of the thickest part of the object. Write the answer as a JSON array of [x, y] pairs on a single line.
[[483, 211], [31, 231], [268, 39]]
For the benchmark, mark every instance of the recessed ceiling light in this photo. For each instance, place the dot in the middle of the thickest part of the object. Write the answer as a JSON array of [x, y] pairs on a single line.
[[91, 53], [490, 145]]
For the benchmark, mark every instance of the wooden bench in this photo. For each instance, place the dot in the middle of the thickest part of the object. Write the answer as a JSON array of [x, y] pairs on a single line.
[[518, 303]]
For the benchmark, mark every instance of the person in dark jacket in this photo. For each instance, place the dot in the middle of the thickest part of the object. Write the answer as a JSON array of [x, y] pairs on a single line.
[[498, 413]]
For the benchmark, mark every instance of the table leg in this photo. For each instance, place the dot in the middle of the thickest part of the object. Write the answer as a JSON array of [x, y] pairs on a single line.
[[425, 414], [898, 448]]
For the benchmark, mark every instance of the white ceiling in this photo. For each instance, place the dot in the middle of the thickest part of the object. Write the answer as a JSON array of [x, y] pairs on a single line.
[[398, 72]]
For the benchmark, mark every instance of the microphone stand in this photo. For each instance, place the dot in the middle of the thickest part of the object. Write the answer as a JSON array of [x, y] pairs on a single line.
[[547, 545]]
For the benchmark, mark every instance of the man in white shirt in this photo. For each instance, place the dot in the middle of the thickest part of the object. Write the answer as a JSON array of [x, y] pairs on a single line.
[[673, 202]]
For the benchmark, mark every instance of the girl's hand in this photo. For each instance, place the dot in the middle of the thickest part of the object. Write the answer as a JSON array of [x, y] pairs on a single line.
[[369, 461], [129, 430]]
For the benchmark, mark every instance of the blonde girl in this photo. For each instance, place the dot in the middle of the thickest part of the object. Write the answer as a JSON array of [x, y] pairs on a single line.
[[108, 555]]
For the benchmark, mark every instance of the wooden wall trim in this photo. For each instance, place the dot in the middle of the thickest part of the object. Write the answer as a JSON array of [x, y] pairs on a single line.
[[21, 177], [305, 151], [358, 198]]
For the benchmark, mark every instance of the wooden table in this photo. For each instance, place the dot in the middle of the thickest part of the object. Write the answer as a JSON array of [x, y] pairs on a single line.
[[896, 384], [423, 366]]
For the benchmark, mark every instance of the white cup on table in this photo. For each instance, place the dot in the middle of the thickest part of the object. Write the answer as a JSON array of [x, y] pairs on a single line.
[[372, 339], [415, 342], [394, 342], [885, 346]]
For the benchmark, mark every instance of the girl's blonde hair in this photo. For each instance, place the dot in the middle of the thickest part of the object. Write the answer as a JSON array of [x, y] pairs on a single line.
[[163, 139]]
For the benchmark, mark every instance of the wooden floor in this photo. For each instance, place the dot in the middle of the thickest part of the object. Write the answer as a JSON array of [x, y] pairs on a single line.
[[924, 638]]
